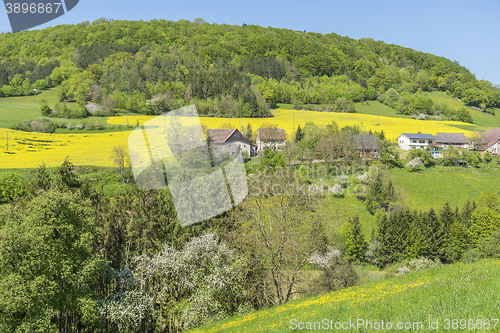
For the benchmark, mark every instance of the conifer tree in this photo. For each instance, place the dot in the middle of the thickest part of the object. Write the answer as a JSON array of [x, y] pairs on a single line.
[[299, 135], [375, 196], [422, 223], [466, 215], [383, 236], [355, 242], [390, 192], [415, 247], [435, 236]]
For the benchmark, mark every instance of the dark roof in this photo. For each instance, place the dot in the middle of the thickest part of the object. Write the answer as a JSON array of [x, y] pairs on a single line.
[[492, 135], [271, 134], [225, 135], [451, 138], [366, 142], [419, 136]]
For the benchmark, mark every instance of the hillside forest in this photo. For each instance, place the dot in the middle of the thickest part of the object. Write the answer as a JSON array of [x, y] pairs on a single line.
[[229, 71]]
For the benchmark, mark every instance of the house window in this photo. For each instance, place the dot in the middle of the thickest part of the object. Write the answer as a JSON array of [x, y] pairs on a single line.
[[414, 141], [421, 141]]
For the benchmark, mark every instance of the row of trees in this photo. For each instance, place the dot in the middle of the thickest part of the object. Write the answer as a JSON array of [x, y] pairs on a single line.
[[446, 235]]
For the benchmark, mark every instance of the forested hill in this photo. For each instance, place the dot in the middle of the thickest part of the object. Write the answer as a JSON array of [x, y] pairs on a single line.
[[227, 70]]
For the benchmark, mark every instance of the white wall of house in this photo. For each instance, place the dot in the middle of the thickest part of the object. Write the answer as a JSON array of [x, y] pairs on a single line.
[[232, 147], [494, 148], [278, 145], [405, 143]]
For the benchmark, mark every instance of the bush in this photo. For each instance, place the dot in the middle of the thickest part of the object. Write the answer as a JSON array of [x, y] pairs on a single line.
[[12, 185], [471, 256], [337, 273], [45, 108], [490, 247]]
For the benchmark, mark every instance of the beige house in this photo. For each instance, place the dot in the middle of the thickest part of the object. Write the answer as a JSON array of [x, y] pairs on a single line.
[[228, 141]]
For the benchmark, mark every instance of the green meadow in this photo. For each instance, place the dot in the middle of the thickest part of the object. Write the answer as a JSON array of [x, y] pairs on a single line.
[[439, 184], [16, 110], [480, 118], [449, 298]]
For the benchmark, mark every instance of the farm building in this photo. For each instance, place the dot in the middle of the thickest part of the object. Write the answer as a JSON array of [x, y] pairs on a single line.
[[272, 138], [367, 145], [228, 141], [457, 140], [490, 141], [407, 141]]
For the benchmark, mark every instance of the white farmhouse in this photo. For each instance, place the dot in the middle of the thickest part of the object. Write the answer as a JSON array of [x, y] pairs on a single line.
[[228, 141], [407, 141]]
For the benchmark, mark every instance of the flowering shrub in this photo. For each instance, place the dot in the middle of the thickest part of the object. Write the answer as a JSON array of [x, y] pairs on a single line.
[[419, 265], [343, 180], [336, 190], [364, 177], [424, 263], [415, 163], [402, 270], [326, 260], [204, 280], [372, 253], [337, 273]]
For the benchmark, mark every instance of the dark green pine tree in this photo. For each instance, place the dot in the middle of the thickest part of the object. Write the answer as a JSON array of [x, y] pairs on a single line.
[[403, 229], [383, 237], [435, 235], [355, 242], [391, 240], [249, 133], [415, 243], [466, 215], [375, 197], [390, 192], [396, 236], [447, 217], [299, 135], [422, 223]]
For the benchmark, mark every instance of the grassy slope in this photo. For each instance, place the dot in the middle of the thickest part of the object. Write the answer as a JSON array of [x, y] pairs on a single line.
[[378, 109], [375, 108], [438, 184], [15, 110], [480, 118], [453, 291]]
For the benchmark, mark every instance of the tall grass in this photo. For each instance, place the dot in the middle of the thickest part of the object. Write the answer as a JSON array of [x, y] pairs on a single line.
[[456, 291]]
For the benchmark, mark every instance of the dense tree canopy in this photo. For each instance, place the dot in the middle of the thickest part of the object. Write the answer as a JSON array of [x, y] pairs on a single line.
[[156, 66]]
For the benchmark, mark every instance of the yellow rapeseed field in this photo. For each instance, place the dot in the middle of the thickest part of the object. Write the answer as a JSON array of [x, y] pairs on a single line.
[[392, 127], [29, 150]]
